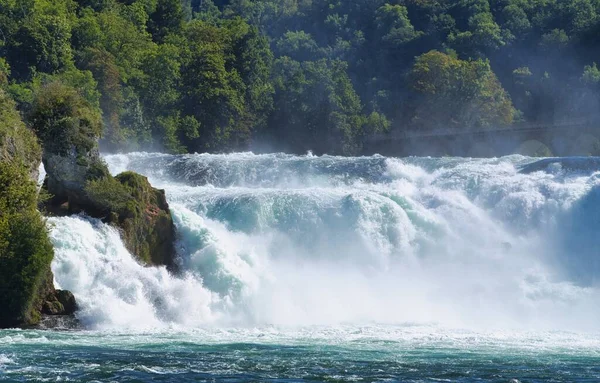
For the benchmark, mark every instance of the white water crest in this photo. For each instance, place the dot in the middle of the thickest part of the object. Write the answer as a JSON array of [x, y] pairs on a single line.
[[306, 240], [112, 289]]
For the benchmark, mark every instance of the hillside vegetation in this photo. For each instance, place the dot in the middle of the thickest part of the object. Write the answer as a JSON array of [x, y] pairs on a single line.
[[25, 249], [202, 75]]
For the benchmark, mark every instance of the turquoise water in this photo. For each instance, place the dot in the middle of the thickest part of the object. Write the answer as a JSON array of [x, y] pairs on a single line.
[[334, 269], [342, 354]]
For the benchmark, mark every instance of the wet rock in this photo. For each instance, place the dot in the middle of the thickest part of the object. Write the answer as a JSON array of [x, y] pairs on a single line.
[[67, 300], [59, 302]]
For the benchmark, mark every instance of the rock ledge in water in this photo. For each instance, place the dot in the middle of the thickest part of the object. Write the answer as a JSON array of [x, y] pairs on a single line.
[[129, 202], [61, 302]]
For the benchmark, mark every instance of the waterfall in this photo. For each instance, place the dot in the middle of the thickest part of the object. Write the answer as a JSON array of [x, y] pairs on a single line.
[[302, 240]]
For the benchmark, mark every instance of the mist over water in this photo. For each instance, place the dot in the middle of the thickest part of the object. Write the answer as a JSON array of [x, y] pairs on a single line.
[[302, 240]]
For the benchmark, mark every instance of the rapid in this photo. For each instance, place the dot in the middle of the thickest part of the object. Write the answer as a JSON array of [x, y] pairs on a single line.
[[304, 240]]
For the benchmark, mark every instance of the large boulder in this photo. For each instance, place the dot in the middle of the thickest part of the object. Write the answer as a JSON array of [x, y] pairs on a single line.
[[59, 302], [129, 202]]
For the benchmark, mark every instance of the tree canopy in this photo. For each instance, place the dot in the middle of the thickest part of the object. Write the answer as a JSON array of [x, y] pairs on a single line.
[[220, 75]]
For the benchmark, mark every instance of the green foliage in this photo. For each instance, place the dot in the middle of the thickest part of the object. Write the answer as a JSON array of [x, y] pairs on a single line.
[[190, 75], [123, 39], [224, 84], [557, 38], [17, 143], [64, 120], [37, 36], [394, 25], [253, 61], [4, 73], [211, 92], [522, 72], [108, 195], [297, 45], [316, 103], [18, 192], [81, 80], [25, 249], [166, 19], [455, 94], [24, 264], [591, 74], [106, 72], [516, 20]]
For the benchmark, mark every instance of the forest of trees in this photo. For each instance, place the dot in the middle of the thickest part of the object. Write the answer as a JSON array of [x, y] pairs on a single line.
[[297, 75]]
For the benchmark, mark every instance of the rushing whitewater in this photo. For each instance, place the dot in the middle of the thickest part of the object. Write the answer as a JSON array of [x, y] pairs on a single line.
[[303, 240]]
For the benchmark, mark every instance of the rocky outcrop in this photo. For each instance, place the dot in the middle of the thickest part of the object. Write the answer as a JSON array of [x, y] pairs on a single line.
[[50, 301], [61, 302], [126, 201], [79, 181], [141, 212], [147, 224], [68, 174]]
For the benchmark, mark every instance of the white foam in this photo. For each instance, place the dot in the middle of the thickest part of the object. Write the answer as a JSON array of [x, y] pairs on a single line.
[[5, 359], [463, 243], [112, 289]]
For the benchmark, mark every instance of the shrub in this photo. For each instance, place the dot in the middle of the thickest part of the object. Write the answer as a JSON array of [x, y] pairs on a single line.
[[108, 195], [63, 119], [16, 141]]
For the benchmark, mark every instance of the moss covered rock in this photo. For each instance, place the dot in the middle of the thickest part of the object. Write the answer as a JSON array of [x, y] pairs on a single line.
[[59, 302], [129, 202]]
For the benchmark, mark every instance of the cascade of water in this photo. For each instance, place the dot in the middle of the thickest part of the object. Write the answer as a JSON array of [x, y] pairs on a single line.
[[282, 239]]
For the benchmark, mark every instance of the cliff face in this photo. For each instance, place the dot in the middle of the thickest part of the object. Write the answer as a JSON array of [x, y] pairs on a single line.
[[26, 280]]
